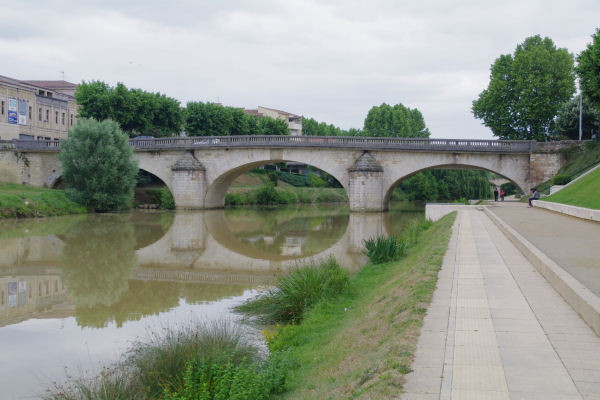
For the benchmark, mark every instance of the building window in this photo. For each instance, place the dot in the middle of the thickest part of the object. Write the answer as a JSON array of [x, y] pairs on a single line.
[[3, 290], [47, 115], [2, 107], [55, 286], [30, 113], [39, 289], [63, 118], [56, 117], [71, 119], [40, 113], [47, 284]]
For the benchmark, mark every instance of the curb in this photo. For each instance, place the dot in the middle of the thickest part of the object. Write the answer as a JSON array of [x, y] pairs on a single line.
[[587, 214], [581, 299]]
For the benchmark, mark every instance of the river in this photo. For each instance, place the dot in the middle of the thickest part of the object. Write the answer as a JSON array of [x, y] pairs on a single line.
[[77, 291]]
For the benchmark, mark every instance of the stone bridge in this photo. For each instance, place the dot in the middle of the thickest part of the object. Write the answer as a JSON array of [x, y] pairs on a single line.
[[199, 170]]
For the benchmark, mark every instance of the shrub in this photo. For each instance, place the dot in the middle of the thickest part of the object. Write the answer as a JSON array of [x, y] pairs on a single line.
[[383, 249], [299, 291], [272, 175], [165, 199], [161, 360], [219, 379], [98, 166], [561, 179], [315, 181]]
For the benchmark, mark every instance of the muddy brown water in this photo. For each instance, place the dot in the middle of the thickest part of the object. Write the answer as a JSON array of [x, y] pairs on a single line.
[[77, 291]]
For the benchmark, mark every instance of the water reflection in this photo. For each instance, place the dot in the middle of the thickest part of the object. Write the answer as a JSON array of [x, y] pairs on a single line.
[[119, 267], [78, 289]]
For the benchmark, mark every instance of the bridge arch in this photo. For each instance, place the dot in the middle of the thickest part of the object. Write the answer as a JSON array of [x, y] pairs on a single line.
[[217, 187], [512, 176]]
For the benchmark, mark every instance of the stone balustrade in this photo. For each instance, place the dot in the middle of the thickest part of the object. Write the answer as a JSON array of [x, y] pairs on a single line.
[[346, 142]]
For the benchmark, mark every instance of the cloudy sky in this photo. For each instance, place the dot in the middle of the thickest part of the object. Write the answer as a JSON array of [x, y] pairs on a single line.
[[330, 60]]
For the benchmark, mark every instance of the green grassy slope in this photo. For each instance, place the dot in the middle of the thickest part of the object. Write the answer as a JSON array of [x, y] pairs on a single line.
[[21, 201], [583, 193]]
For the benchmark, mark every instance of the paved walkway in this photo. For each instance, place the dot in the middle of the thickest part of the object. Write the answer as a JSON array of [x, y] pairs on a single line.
[[497, 330], [572, 243]]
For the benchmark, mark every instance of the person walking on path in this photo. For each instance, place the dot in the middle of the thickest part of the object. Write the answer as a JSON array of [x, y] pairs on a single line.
[[501, 194], [535, 196], [496, 193]]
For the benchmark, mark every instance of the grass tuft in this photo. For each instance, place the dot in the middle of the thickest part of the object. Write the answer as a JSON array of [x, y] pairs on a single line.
[[297, 292]]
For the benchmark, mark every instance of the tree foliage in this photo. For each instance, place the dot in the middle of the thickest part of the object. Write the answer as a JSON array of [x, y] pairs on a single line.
[[567, 120], [439, 184], [209, 119], [98, 166], [136, 111], [526, 90], [395, 121], [588, 69]]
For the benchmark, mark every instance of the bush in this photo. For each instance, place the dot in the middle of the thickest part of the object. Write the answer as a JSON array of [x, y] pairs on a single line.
[[98, 166], [161, 360], [219, 379], [299, 291], [383, 249], [315, 181], [561, 179], [272, 175], [165, 199]]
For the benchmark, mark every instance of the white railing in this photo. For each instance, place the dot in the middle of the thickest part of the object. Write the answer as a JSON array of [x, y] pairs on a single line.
[[351, 142]]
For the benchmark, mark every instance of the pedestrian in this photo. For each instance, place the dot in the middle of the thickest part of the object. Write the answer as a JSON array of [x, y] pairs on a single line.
[[535, 196], [501, 194], [496, 193]]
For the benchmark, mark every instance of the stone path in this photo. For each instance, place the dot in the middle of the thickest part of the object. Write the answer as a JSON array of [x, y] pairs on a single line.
[[497, 330]]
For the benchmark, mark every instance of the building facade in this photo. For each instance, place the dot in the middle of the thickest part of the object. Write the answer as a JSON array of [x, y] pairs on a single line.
[[293, 121], [32, 111]]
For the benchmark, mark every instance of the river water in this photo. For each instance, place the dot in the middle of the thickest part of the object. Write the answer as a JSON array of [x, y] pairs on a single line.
[[77, 291]]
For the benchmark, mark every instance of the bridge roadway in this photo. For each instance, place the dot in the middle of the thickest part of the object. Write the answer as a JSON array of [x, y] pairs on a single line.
[[199, 170]]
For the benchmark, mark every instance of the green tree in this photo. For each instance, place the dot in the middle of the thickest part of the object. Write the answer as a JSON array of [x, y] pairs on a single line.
[[98, 166], [588, 69], [567, 120], [526, 90], [273, 126], [395, 121], [136, 111]]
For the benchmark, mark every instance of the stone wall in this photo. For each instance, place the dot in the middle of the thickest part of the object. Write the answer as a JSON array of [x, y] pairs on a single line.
[[544, 166]]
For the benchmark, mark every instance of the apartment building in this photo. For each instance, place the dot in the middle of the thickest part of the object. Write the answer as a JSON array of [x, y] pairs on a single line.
[[36, 110], [294, 121]]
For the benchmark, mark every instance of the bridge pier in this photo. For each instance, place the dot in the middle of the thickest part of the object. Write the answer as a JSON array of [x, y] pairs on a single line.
[[189, 182], [365, 189]]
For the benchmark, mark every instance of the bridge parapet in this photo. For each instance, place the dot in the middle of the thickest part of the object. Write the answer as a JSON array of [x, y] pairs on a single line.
[[347, 142]]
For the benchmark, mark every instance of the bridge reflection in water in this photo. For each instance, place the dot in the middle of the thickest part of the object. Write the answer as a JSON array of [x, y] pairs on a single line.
[[103, 268], [76, 291]]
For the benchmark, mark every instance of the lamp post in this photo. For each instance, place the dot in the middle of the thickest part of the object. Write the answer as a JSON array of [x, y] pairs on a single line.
[[580, 115]]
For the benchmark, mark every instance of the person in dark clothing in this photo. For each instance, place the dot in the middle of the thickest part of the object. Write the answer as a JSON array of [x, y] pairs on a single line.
[[496, 193], [535, 196]]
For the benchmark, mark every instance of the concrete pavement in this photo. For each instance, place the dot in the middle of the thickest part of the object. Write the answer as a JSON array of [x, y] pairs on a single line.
[[497, 330], [572, 243]]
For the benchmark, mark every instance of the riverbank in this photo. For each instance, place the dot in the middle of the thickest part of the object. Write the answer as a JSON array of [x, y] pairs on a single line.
[[361, 344], [380, 315], [22, 201]]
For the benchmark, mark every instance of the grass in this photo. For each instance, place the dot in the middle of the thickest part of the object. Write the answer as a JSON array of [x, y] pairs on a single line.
[[384, 249], [22, 201], [172, 364], [579, 159], [297, 292], [361, 344], [269, 195], [583, 193]]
